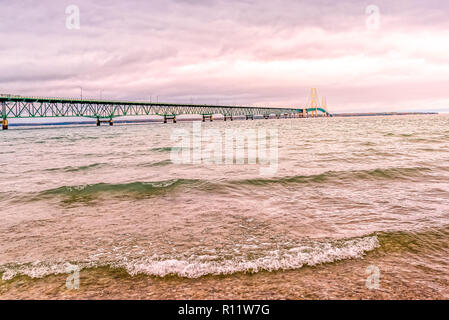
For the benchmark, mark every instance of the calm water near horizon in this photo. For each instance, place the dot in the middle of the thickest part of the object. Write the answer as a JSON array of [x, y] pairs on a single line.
[[349, 195]]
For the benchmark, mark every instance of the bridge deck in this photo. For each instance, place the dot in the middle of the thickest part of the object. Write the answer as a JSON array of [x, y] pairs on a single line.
[[30, 107]]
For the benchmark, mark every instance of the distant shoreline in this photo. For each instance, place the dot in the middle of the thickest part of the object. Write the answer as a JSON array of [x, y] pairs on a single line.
[[369, 114]]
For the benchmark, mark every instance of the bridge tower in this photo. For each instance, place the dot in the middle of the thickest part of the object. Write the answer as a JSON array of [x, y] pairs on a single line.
[[324, 106], [314, 101]]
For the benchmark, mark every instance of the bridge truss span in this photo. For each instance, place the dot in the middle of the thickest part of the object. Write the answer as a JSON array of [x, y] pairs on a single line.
[[36, 107]]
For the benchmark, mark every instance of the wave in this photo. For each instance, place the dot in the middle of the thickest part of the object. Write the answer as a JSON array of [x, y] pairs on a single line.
[[168, 149], [77, 169], [89, 192], [195, 266], [157, 164], [335, 176], [432, 243], [274, 260], [163, 149], [144, 189]]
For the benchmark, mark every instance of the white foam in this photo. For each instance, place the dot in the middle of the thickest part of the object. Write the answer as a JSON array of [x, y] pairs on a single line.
[[35, 269], [293, 258], [194, 266]]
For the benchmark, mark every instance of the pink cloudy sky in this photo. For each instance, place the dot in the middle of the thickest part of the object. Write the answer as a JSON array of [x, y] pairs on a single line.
[[267, 52]]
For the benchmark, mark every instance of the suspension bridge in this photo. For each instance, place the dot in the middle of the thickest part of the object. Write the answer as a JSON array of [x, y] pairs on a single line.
[[106, 110]]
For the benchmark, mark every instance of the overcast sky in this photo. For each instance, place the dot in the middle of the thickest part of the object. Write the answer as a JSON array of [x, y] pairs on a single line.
[[267, 52]]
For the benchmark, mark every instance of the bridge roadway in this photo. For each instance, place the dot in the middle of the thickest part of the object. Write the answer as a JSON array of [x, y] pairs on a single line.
[[105, 110]]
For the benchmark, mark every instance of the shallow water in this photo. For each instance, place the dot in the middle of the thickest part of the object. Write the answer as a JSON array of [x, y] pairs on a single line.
[[347, 191]]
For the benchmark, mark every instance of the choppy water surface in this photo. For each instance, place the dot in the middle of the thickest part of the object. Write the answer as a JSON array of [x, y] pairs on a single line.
[[111, 196]]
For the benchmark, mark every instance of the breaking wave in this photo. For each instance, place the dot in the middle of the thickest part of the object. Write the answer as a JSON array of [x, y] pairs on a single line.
[[197, 265]]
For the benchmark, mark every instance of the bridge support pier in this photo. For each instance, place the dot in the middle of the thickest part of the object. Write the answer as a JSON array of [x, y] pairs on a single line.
[[225, 117], [266, 116], [110, 121], [4, 120], [249, 116], [205, 116], [169, 117]]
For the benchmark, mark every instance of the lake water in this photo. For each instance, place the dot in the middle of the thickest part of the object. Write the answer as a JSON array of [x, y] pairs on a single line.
[[356, 208]]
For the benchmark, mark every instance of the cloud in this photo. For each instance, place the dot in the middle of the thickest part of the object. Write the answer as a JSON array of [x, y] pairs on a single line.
[[247, 52]]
